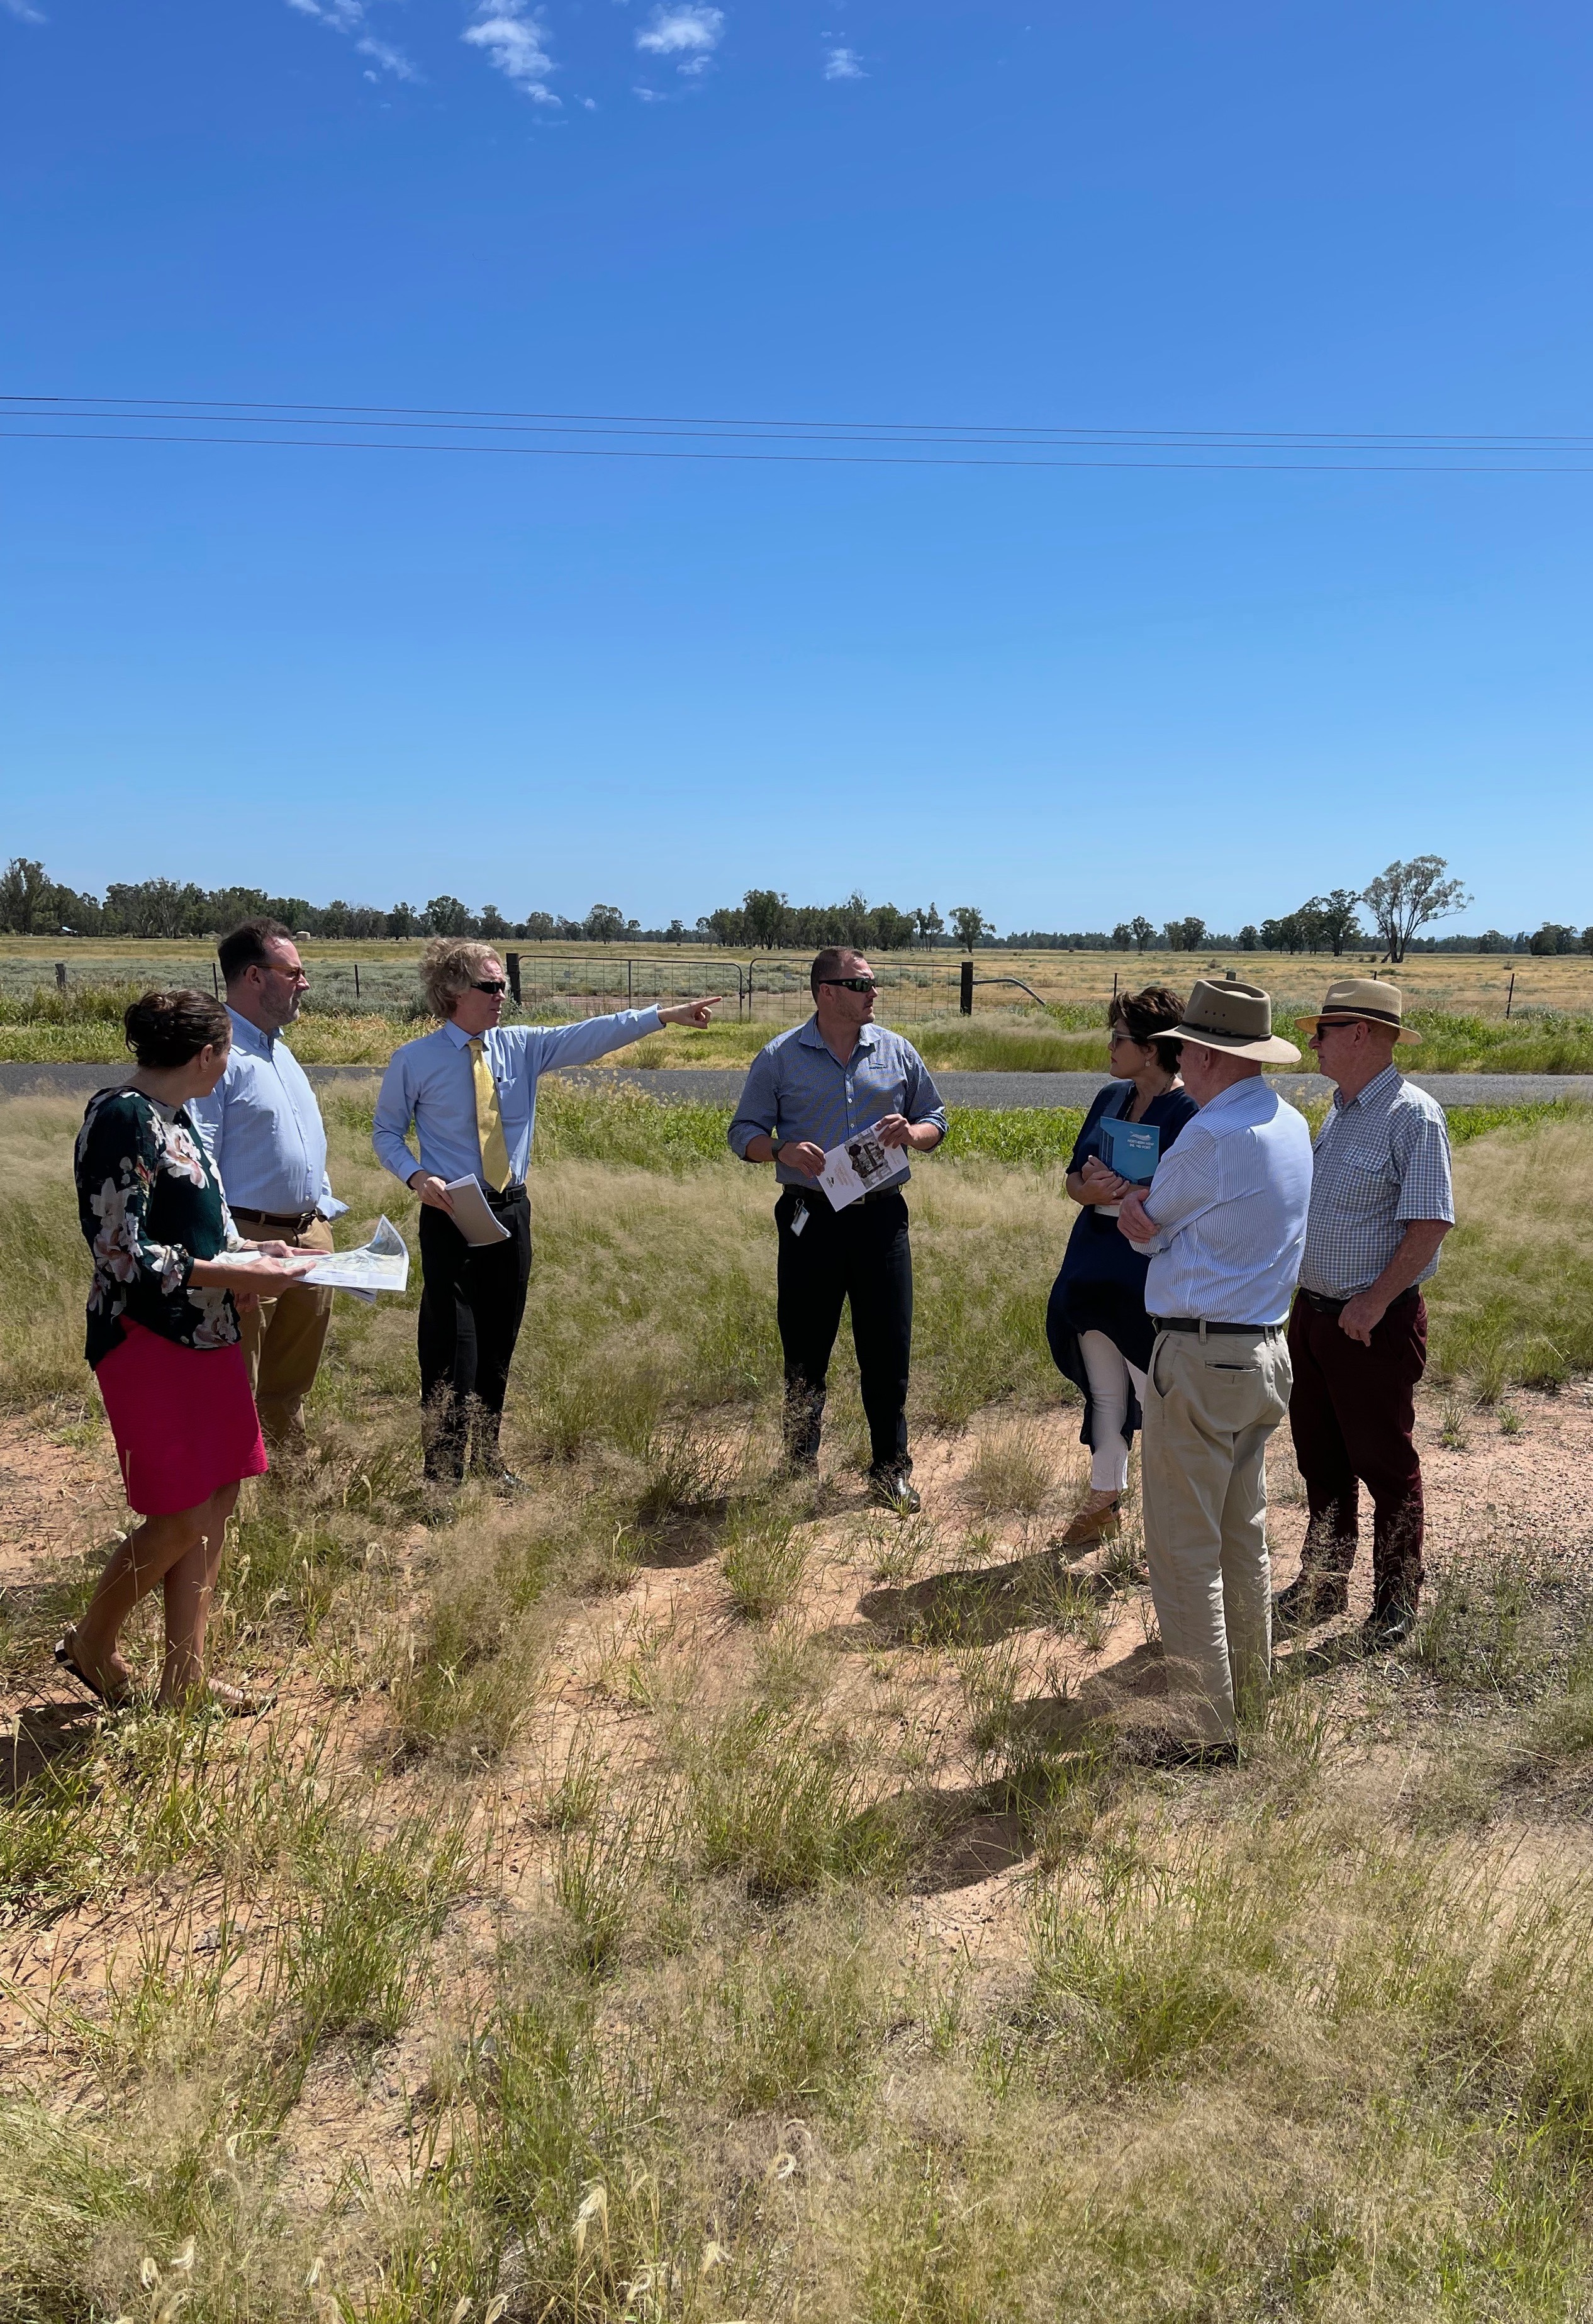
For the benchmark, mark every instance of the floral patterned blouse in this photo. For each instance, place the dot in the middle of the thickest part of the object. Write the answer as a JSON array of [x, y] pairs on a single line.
[[151, 1203]]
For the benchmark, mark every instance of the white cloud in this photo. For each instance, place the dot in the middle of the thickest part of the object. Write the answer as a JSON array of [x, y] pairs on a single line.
[[515, 44], [843, 64], [348, 17], [649, 96], [689, 30]]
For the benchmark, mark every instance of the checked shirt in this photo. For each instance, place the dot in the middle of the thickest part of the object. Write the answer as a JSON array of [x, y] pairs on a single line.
[[1380, 1161]]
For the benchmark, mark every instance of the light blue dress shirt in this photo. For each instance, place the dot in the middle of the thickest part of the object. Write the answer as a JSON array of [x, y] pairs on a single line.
[[430, 1083], [797, 1088], [265, 1130], [1229, 1202]]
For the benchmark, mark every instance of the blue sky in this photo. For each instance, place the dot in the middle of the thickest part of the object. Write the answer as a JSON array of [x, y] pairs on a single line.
[[1066, 694]]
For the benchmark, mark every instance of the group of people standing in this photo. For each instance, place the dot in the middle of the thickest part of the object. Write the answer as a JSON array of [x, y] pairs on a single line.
[[1169, 1311], [1255, 1276]]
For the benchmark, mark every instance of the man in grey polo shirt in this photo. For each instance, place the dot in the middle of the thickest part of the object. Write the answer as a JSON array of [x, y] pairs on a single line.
[[812, 1088], [1381, 1204]]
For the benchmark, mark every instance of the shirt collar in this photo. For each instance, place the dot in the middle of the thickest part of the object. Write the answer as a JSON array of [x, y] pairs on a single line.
[[248, 1036], [1381, 1085], [812, 1039], [456, 1034], [1236, 1093]]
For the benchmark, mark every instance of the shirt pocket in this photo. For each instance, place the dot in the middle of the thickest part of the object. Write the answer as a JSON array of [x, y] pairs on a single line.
[[1362, 1190]]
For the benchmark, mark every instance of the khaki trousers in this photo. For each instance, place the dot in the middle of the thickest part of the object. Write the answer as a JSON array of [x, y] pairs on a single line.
[[283, 1339], [1210, 1407]]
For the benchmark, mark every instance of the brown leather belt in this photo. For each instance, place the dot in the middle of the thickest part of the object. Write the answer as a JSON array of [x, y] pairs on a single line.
[[295, 1221]]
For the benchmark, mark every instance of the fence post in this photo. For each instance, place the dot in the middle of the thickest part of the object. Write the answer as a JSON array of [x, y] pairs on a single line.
[[1114, 984], [511, 963], [215, 980], [1510, 996], [356, 980], [629, 992], [966, 996], [60, 976]]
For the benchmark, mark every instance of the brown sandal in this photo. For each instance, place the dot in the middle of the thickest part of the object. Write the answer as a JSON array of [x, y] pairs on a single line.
[[1089, 1525], [237, 1701]]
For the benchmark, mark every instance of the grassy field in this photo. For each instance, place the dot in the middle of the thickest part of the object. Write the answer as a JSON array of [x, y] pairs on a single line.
[[581, 1938], [84, 1024]]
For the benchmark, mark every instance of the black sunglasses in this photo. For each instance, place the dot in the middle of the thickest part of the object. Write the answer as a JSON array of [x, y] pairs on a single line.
[[853, 983], [491, 984]]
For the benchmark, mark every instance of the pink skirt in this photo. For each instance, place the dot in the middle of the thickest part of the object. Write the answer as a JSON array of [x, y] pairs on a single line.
[[183, 1419]]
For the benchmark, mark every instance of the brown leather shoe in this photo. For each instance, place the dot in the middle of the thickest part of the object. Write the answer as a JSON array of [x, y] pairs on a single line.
[[1090, 1525]]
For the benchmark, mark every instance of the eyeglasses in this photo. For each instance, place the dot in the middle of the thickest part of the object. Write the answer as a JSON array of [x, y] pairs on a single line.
[[1335, 1025], [851, 983], [1115, 1037], [491, 984]]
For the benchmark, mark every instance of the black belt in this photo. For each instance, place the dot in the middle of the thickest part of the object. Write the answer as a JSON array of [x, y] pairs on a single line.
[[1197, 1323], [1326, 1306], [504, 1198], [295, 1221]]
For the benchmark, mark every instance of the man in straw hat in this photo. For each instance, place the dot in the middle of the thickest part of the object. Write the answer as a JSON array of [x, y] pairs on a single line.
[[1224, 1223], [1381, 1203]]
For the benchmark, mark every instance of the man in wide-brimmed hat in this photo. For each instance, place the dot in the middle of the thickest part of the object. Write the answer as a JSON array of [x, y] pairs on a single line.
[[1381, 1204], [1224, 1221]]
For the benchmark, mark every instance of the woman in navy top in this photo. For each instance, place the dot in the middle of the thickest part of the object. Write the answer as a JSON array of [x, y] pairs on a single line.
[[1099, 1333]]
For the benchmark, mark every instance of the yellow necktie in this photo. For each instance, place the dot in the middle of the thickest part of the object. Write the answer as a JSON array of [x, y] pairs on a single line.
[[489, 1120]]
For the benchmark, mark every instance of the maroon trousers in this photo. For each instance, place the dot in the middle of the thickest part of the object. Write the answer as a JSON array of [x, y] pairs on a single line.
[[1352, 1414]]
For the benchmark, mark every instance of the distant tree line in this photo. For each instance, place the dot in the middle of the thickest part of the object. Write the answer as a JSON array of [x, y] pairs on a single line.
[[1402, 900]]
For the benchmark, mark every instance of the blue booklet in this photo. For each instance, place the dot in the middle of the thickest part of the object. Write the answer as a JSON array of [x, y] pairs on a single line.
[[1131, 1148]]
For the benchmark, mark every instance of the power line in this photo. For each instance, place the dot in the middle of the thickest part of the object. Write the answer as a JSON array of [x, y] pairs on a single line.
[[262, 412], [817, 459], [872, 443]]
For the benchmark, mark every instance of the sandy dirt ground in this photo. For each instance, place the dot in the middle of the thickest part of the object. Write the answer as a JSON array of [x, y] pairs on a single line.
[[1501, 1479]]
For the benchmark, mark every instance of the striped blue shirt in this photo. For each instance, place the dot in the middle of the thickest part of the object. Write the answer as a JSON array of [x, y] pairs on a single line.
[[797, 1088], [1382, 1159], [1230, 1204], [432, 1083]]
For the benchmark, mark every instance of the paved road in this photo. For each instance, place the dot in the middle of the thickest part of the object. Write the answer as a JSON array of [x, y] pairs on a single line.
[[721, 1085]]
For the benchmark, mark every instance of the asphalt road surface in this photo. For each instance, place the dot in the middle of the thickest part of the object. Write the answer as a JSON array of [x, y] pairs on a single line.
[[721, 1084]]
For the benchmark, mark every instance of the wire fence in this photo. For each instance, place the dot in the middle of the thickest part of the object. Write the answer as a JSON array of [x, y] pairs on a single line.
[[770, 990]]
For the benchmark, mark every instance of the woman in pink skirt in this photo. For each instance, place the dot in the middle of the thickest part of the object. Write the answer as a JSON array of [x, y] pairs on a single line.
[[165, 1343]]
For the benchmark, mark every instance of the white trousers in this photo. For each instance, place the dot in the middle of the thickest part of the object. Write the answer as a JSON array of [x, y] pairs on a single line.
[[1110, 1375]]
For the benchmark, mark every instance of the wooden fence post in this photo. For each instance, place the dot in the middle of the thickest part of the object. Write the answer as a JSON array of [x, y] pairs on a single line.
[[965, 994], [511, 967]]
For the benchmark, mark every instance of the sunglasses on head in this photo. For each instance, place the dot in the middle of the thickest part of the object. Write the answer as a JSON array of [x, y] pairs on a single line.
[[851, 983], [491, 984]]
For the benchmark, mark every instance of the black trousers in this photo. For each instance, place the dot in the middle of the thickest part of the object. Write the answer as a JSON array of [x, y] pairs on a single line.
[[862, 1254], [471, 1306]]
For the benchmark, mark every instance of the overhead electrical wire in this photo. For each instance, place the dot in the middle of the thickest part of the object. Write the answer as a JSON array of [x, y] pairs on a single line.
[[638, 436]]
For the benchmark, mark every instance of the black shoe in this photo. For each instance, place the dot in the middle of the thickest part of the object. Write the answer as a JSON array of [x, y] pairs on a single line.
[[1388, 1627], [892, 1487], [1311, 1598], [1153, 1749], [504, 1482]]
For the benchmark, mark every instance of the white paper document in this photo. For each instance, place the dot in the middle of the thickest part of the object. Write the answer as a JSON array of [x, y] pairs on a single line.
[[474, 1216], [382, 1264], [858, 1167]]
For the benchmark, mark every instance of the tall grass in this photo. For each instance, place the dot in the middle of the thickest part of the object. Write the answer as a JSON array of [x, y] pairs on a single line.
[[605, 1926]]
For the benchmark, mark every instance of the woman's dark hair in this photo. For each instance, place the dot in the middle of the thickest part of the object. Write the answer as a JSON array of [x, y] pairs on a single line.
[[168, 1029], [1144, 1015]]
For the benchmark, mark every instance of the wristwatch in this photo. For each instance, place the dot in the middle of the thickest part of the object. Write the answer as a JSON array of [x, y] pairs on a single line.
[[775, 1143]]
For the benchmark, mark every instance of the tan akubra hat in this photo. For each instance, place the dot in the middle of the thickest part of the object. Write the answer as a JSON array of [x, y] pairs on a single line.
[[1365, 996], [1236, 1018]]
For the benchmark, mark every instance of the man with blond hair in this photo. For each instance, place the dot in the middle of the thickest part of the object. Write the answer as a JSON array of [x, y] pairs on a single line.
[[470, 1090]]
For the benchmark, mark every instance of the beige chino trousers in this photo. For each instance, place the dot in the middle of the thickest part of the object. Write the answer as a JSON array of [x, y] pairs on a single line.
[[283, 1340], [1210, 1407]]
